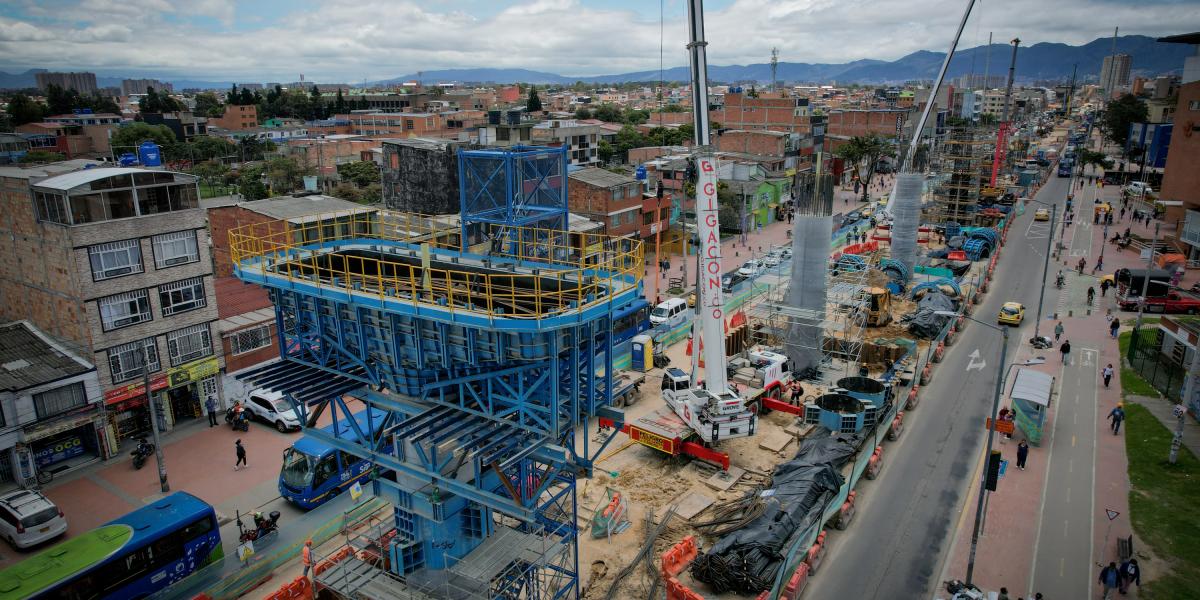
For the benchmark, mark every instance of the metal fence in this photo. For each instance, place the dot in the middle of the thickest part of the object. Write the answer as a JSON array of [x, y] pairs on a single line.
[[1145, 356]]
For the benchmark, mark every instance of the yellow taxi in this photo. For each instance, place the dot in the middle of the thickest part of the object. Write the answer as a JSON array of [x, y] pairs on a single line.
[[691, 299], [1041, 214], [1012, 313]]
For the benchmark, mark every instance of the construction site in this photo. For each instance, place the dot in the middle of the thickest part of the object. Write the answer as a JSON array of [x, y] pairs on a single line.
[[472, 360]]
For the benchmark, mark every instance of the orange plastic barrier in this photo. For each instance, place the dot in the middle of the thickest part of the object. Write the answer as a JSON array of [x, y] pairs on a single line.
[[678, 557], [795, 584], [913, 399], [813, 559], [297, 589], [332, 560]]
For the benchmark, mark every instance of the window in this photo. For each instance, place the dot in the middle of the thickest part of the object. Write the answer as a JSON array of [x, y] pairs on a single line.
[[618, 193], [115, 259], [125, 309], [327, 468], [408, 124], [1194, 105], [251, 339], [188, 344], [125, 361], [59, 400], [177, 248], [181, 296]]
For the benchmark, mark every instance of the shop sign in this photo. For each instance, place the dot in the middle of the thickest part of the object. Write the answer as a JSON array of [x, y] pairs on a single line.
[[193, 371], [134, 390], [57, 427], [59, 450]]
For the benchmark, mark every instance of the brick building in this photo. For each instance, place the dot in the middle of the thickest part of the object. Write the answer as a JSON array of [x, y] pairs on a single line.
[[851, 123], [405, 124], [112, 261], [236, 117], [246, 328], [777, 114], [609, 198], [1181, 179]]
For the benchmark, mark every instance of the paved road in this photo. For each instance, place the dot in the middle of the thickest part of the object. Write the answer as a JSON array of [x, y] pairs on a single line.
[[902, 533]]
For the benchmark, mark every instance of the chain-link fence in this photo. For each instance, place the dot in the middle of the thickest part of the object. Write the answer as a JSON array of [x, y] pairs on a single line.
[[1160, 369]]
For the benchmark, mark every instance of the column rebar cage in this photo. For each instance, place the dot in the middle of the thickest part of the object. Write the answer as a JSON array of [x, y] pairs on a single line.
[[965, 169]]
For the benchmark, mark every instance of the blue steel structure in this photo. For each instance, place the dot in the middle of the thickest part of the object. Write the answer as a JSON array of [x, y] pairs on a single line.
[[486, 344]]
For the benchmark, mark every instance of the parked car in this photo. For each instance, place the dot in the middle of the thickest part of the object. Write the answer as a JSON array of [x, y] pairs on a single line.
[[770, 260], [1137, 188], [273, 408], [751, 268], [28, 518]]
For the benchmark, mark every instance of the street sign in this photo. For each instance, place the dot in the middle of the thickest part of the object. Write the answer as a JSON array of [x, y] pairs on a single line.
[[1001, 426], [356, 491], [1112, 514]]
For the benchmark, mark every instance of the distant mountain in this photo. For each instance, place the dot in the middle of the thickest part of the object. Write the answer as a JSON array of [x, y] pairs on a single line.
[[1037, 62], [16, 81]]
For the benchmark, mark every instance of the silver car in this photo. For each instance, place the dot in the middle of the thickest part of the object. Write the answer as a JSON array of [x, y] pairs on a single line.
[[28, 518]]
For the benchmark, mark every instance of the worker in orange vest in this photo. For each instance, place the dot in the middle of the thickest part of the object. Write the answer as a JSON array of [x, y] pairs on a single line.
[[306, 556]]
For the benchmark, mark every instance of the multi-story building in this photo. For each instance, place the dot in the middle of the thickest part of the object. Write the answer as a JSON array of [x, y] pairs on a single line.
[[1114, 73], [13, 148], [246, 330], [237, 117], [84, 83], [185, 125], [395, 123], [506, 128], [582, 141], [777, 114], [1181, 178], [389, 102], [324, 154], [883, 122], [50, 417], [612, 199], [130, 87], [114, 261]]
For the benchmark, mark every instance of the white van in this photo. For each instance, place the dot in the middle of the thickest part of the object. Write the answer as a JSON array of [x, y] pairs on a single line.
[[672, 312]]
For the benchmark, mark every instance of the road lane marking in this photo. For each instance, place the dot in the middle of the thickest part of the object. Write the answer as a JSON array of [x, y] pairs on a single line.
[[1037, 540], [1062, 563], [1072, 441], [1092, 512], [1066, 527], [1070, 465]]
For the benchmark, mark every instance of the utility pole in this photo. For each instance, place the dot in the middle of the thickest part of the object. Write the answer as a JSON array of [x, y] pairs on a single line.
[[1037, 323], [153, 410], [774, 69]]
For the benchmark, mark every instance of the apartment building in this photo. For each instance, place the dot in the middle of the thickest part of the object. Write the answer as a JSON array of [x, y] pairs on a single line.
[[50, 417], [130, 87], [401, 124], [184, 124], [777, 114], [84, 83], [115, 262], [582, 140], [613, 199], [236, 118]]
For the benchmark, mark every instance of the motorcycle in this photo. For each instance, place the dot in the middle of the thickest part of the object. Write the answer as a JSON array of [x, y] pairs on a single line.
[[262, 526], [237, 419], [141, 453]]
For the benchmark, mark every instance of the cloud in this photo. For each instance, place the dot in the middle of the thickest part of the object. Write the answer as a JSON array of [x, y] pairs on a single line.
[[353, 40], [17, 31]]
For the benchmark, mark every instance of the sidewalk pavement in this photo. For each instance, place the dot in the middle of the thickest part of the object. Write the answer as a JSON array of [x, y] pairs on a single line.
[[1007, 551]]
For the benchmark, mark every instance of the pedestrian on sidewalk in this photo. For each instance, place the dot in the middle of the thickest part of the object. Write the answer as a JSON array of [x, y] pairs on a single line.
[[1003, 594], [1091, 295], [1099, 265], [1109, 578], [1022, 454], [1116, 415], [1104, 287], [1058, 331], [1130, 573], [1107, 373], [241, 456], [1065, 349], [306, 556], [211, 406], [1114, 326]]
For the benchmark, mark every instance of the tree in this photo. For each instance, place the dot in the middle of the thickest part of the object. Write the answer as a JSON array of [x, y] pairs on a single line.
[[627, 139], [687, 131], [583, 113], [208, 105], [339, 103], [673, 108], [753, 93], [205, 147], [250, 183], [246, 98], [636, 117], [607, 113], [864, 153], [988, 119], [155, 102], [347, 191], [1092, 157], [534, 104], [361, 173], [316, 104], [1119, 114], [286, 174], [127, 137], [22, 109], [605, 151]]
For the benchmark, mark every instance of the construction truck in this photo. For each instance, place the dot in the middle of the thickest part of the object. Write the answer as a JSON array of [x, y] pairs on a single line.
[[713, 417], [879, 309]]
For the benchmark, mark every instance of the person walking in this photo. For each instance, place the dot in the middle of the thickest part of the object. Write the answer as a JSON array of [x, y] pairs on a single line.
[[1109, 577], [241, 456], [306, 556], [1003, 594], [1058, 331], [1065, 349], [1130, 573], [1091, 295], [1107, 373], [1022, 454], [1116, 415], [1104, 287], [211, 406], [1114, 326]]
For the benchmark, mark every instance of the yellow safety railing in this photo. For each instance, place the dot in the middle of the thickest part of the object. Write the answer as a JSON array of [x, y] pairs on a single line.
[[573, 270]]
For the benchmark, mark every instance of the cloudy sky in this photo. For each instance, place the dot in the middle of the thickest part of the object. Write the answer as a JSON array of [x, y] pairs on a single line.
[[357, 40]]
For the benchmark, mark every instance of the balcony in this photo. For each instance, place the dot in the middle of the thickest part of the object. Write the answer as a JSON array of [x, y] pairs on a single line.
[[1191, 229]]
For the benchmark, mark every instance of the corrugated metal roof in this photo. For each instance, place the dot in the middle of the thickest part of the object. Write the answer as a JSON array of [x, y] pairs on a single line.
[[601, 177], [28, 358], [298, 209], [68, 181]]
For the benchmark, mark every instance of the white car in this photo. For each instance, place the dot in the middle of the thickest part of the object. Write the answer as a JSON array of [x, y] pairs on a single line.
[[1138, 188], [752, 268], [771, 260], [27, 518], [272, 407]]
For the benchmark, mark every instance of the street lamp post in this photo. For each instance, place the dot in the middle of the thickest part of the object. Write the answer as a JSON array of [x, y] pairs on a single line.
[[1037, 323]]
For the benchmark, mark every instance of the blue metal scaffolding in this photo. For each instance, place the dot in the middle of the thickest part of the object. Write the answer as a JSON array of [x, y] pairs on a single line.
[[485, 359]]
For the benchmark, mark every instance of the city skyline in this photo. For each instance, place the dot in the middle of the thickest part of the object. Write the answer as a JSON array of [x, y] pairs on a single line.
[[367, 41]]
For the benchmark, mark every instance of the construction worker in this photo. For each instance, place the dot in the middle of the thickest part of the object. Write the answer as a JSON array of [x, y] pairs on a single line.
[[306, 556]]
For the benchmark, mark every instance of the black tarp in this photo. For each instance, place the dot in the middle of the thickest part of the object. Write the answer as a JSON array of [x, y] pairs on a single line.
[[748, 560], [923, 322]]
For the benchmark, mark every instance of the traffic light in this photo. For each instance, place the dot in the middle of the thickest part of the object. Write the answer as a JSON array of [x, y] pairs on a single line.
[[993, 470]]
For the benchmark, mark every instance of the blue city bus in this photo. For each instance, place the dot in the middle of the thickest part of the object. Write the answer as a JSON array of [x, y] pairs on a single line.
[[1064, 168], [133, 556], [630, 320], [313, 471]]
